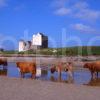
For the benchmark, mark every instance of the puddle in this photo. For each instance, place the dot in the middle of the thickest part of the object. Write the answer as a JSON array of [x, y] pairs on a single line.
[[80, 76]]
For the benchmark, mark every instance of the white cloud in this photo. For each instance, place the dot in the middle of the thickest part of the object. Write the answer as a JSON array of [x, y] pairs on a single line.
[[62, 11], [3, 3], [80, 5], [83, 28], [81, 10], [87, 14], [78, 9]]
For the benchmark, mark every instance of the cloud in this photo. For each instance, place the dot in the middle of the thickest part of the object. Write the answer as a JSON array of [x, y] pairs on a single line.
[[79, 9], [83, 28], [60, 7], [80, 5], [3, 3], [87, 14], [62, 11]]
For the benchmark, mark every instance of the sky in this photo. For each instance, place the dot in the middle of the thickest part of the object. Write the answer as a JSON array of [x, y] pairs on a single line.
[[65, 22]]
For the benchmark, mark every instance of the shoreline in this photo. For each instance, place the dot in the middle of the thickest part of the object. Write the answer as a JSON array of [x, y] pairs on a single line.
[[77, 61], [43, 58]]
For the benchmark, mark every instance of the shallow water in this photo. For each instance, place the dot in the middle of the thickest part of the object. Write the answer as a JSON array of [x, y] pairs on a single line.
[[80, 76]]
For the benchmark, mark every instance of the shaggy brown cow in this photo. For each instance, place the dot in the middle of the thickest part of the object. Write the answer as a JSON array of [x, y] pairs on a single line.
[[27, 67], [61, 67], [3, 61], [67, 67], [93, 67]]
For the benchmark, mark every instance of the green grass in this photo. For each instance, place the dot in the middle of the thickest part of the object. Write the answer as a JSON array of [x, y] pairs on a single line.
[[69, 51]]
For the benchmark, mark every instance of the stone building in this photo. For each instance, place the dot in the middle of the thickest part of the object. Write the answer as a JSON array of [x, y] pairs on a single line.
[[28, 45], [38, 41]]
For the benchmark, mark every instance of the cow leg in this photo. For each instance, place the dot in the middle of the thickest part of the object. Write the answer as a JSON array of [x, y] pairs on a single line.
[[59, 71], [59, 78], [33, 76], [4, 67], [92, 74], [22, 75], [97, 74]]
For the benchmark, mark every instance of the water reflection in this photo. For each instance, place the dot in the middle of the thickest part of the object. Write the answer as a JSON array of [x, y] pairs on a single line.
[[60, 79], [94, 82], [80, 76], [3, 72], [3, 66]]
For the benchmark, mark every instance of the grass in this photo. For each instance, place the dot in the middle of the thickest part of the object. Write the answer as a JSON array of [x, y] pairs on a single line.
[[69, 51]]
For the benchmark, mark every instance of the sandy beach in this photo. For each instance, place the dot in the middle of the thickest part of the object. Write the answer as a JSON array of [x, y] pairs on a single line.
[[27, 89]]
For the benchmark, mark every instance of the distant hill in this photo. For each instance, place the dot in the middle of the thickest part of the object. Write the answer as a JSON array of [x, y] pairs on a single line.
[[82, 50]]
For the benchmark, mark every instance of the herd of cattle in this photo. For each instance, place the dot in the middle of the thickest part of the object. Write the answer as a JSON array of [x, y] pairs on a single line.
[[30, 67]]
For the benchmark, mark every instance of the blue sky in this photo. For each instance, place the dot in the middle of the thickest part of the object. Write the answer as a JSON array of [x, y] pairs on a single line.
[[65, 22]]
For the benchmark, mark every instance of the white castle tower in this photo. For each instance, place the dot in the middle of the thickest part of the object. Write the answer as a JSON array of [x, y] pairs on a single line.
[[40, 41], [22, 45], [37, 39]]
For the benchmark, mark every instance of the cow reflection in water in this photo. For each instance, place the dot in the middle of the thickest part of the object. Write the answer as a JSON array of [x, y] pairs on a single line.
[[59, 79], [65, 67], [94, 82], [3, 63], [3, 67], [3, 72]]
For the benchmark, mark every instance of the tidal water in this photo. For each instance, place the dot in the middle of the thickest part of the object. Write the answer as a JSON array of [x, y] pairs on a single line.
[[82, 77]]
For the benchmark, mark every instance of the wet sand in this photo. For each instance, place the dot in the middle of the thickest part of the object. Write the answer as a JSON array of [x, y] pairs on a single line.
[[27, 89]]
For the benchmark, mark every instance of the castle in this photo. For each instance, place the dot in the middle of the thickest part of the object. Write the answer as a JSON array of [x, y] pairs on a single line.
[[38, 41]]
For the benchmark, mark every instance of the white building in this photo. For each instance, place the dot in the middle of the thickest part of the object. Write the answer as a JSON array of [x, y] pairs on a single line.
[[40, 41], [37, 39], [22, 45]]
